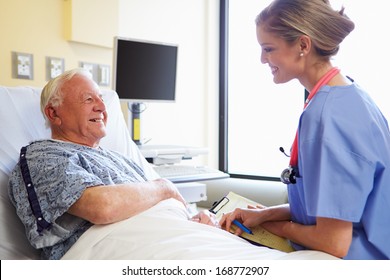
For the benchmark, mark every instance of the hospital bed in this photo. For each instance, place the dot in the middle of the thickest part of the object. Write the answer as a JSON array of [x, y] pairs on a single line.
[[161, 232]]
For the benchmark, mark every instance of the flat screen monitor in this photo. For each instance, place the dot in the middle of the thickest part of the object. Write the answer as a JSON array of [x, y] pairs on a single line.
[[144, 71]]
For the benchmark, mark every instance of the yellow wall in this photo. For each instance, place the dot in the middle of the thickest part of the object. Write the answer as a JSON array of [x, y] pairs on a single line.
[[91, 21], [38, 27]]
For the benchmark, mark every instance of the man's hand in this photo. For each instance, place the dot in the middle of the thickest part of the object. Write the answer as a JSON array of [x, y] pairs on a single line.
[[206, 217], [170, 190]]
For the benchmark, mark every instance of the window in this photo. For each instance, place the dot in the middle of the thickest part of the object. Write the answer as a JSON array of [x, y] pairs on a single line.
[[256, 115]]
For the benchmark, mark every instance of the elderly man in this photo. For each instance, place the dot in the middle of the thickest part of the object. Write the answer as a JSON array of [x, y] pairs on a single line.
[[64, 185]]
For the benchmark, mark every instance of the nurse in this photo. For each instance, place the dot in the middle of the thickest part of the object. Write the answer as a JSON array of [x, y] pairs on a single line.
[[339, 173]]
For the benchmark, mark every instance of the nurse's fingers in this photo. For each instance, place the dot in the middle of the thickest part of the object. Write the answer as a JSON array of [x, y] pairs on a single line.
[[225, 222], [228, 218]]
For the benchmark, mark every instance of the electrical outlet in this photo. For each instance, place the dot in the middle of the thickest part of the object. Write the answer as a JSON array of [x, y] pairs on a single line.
[[87, 66], [54, 67], [91, 68], [104, 75], [22, 65]]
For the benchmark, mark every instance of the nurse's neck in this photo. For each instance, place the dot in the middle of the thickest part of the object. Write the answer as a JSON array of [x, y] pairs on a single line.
[[317, 73]]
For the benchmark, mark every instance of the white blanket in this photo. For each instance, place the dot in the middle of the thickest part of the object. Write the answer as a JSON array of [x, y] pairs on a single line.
[[164, 232]]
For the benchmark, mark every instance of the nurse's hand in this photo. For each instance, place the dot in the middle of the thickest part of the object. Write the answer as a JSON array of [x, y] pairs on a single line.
[[251, 217]]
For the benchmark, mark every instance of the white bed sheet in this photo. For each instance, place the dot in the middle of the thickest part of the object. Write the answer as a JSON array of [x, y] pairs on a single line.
[[164, 232]]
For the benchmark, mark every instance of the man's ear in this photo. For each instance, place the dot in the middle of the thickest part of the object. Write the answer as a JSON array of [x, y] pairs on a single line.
[[51, 114], [305, 44]]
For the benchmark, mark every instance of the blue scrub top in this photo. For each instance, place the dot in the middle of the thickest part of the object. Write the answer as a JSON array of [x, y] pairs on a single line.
[[344, 168]]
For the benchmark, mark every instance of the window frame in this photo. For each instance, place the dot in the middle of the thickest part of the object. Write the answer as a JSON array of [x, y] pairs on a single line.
[[223, 96], [223, 161]]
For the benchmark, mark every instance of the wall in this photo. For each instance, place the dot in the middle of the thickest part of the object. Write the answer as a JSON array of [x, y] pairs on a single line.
[[37, 27], [193, 25]]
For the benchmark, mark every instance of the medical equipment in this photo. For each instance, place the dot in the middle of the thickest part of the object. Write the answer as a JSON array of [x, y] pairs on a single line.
[[289, 175]]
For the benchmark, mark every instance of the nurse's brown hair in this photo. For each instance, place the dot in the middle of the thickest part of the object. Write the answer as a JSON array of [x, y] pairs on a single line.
[[290, 19]]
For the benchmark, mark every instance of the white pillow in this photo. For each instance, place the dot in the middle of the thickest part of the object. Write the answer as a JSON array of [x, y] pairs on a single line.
[[21, 122]]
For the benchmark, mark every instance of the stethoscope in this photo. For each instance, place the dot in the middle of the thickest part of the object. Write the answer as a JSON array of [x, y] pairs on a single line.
[[290, 174]]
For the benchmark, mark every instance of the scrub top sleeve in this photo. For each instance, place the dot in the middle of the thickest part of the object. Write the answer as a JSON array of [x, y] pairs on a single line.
[[339, 189]]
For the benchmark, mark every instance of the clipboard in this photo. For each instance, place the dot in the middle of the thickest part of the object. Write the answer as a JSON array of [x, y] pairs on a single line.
[[217, 206], [260, 235]]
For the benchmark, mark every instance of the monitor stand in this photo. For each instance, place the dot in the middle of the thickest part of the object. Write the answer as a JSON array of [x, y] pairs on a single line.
[[135, 110]]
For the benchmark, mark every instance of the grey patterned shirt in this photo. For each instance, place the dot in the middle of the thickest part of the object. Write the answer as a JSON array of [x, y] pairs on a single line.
[[60, 172]]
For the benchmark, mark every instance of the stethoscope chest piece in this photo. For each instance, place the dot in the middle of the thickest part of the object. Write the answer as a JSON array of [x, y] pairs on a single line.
[[288, 176]]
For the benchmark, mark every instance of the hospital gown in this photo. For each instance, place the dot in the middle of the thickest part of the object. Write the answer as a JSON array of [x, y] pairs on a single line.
[[60, 172], [344, 168]]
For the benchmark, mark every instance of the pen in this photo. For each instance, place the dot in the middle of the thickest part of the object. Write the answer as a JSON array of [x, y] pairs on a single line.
[[242, 227]]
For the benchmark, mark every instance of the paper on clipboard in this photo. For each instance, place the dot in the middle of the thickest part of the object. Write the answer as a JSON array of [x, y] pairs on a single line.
[[260, 235]]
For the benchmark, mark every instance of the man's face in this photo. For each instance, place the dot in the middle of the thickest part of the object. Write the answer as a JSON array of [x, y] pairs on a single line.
[[82, 116]]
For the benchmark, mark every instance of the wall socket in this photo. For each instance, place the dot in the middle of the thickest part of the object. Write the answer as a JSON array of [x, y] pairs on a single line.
[[100, 72], [103, 75], [91, 68], [54, 66], [22, 66]]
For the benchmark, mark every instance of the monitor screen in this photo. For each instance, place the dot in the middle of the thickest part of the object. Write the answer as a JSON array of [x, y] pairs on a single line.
[[144, 71]]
